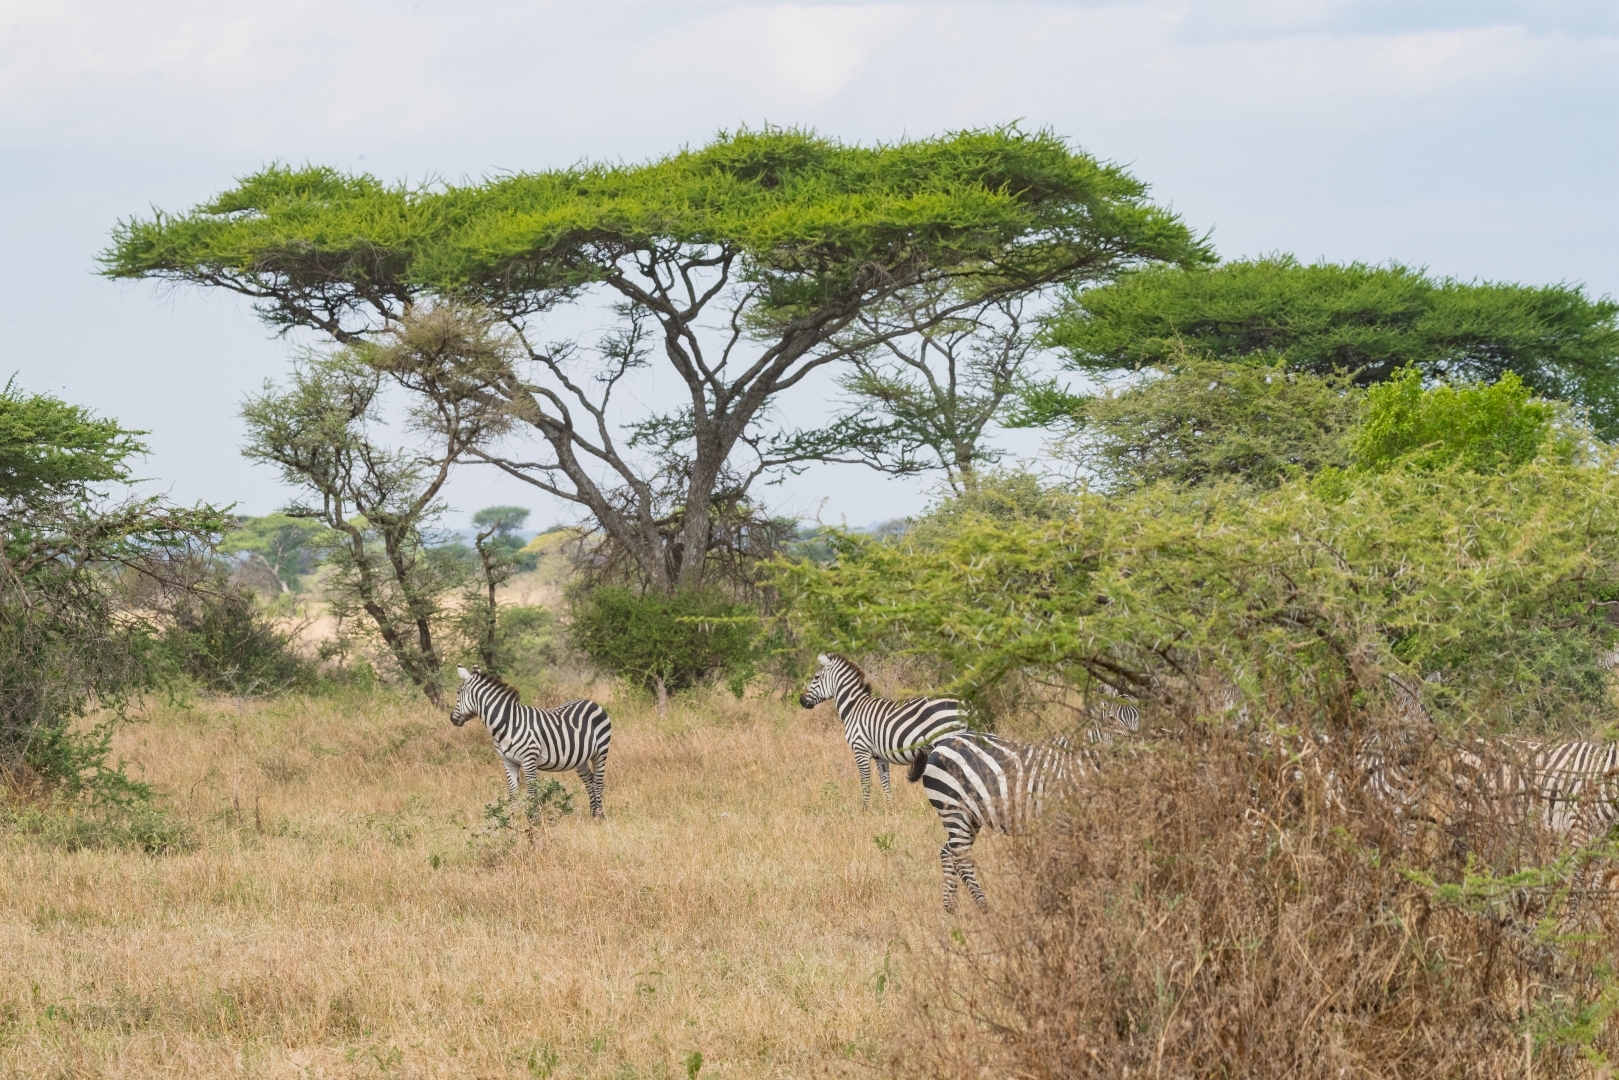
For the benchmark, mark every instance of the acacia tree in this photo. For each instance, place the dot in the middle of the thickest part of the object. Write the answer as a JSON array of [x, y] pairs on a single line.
[[745, 265], [923, 399], [377, 501], [1369, 321]]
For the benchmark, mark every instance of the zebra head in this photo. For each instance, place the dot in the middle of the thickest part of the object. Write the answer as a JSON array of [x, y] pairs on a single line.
[[822, 687], [465, 707]]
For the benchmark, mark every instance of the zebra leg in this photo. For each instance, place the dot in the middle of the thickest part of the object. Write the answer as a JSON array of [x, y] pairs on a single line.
[[882, 774], [959, 848], [969, 874], [514, 788], [948, 862], [862, 762], [591, 773]]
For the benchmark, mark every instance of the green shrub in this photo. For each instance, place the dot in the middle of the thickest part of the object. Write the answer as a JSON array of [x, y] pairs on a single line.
[[1296, 594], [666, 642], [220, 638], [1479, 426], [1197, 421], [73, 827]]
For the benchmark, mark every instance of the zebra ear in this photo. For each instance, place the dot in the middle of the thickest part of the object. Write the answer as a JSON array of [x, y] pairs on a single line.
[[464, 673], [823, 659]]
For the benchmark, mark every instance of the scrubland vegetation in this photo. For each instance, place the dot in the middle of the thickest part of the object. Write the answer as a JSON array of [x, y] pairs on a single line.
[[1347, 535]]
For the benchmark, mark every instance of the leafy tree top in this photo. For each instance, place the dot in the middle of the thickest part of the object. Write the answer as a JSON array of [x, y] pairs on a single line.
[[814, 222], [49, 446], [1481, 428], [1371, 320]]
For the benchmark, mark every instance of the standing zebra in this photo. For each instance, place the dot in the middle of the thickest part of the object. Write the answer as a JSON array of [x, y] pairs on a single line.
[[976, 781], [887, 732], [571, 736]]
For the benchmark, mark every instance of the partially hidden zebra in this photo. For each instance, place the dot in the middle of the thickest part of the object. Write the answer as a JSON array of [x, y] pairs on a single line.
[[976, 781], [530, 741], [1570, 788], [880, 730]]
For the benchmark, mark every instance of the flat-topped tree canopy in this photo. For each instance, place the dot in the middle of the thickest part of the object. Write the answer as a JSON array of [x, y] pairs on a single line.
[[1369, 320], [754, 255], [812, 220]]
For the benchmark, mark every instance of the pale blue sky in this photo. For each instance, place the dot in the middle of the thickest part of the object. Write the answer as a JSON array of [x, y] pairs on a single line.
[[1477, 139]]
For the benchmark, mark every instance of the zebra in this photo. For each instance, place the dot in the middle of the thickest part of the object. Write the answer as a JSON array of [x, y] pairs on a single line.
[[976, 780], [1570, 788], [529, 740], [887, 732]]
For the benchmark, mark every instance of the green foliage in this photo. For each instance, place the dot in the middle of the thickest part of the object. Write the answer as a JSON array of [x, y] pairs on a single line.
[[219, 638], [809, 215], [1478, 427], [503, 523], [1200, 420], [1294, 595], [1355, 318], [389, 582], [73, 826], [47, 445], [676, 640], [84, 583], [1003, 495], [527, 642], [287, 545]]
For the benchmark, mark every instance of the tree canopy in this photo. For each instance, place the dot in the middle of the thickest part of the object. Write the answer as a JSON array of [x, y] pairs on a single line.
[[1367, 320], [49, 446], [746, 263]]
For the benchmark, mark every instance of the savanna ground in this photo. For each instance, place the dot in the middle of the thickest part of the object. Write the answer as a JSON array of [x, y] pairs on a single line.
[[343, 914]]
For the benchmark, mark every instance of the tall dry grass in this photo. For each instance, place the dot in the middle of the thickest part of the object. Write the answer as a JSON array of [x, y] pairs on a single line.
[[343, 917], [1211, 909]]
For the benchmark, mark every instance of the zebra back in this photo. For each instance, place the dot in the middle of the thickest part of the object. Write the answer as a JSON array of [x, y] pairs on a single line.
[[897, 732]]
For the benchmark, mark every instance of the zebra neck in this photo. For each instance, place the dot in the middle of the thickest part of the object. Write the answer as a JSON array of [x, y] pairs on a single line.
[[847, 697]]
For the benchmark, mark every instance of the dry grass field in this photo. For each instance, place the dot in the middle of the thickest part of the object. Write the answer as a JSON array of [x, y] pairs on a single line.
[[344, 916]]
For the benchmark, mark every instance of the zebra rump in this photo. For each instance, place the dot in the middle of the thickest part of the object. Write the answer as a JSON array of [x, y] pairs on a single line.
[[976, 781]]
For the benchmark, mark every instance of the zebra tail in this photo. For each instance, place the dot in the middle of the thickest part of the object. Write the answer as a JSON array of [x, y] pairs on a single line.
[[919, 765]]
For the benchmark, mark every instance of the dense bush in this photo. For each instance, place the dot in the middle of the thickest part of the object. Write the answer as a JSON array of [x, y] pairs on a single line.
[[1479, 427], [1198, 421], [219, 637], [1206, 911], [666, 642], [1369, 321], [73, 636]]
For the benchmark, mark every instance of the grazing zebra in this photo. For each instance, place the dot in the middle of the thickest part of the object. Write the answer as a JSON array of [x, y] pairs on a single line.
[[532, 741], [897, 732], [977, 781]]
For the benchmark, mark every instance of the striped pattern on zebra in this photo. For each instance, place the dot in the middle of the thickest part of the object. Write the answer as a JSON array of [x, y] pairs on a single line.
[[977, 781], [887, 732], [1571, 788], [531, 741]]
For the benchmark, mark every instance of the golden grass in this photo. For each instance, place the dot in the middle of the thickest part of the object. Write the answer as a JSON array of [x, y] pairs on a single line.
[[342, 918]]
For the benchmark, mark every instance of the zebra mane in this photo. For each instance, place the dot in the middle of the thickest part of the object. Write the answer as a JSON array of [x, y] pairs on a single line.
[[860, 672], [500, 686]]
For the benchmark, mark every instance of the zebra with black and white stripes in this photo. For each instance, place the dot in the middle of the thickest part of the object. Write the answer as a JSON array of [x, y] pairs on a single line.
[[880, 730], [530, 741], [1570, 788], [976, 781]]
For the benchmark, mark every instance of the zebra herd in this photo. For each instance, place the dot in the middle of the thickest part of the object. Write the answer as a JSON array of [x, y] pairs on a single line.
[[973, 780], [976, 781]]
